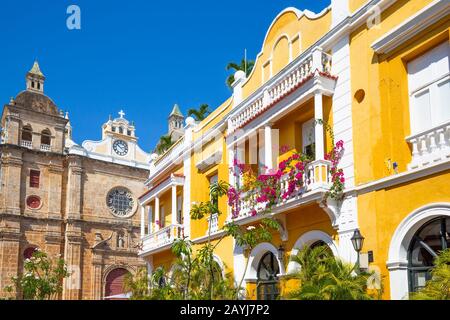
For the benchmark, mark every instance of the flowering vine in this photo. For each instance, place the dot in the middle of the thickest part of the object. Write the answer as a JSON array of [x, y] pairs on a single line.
[[259, 194]]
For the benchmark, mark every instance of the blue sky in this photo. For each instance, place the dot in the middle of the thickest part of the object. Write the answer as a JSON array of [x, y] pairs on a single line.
[[138, 55]]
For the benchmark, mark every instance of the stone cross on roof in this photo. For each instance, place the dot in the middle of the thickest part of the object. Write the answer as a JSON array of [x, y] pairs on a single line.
[[121, 114]]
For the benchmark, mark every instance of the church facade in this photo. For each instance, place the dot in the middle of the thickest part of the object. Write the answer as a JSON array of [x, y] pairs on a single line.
[[76, 201]]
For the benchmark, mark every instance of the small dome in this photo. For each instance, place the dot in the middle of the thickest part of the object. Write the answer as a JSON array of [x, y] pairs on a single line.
[[36, 102]]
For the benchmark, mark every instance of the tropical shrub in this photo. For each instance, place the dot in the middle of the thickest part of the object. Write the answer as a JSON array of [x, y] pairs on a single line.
[[324, 277], [42, 278], [438, 288]]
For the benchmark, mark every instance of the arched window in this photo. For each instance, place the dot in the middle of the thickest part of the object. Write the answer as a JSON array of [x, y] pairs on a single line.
[[27, 134], [114, 286], [267, 284], [120, 130], [426, 244], [322, 244], [46, 137]]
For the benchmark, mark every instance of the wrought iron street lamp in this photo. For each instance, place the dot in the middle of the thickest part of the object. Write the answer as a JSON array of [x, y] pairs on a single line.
[[357, 242], [281, 251]]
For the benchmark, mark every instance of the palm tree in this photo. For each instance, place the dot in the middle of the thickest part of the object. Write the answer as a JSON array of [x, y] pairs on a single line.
[[438, 287], [165, 142], [324, 277], [246, 66], [201, 113]]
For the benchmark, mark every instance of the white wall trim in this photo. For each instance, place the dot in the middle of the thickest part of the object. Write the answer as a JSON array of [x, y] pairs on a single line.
[[412, 26], [257, 253], [307, 239], [398, 249]]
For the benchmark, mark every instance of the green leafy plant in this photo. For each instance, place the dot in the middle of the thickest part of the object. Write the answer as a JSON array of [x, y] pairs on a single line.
[[42, 278], [245, 65], [438, 287], [324, 277], [201, 113], [165, 142], [138, 285]]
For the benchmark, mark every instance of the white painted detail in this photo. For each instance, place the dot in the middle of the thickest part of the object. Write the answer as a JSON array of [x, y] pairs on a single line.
[[412, 26], [307, 239], [257, 253], [339, 11], [398, 249]]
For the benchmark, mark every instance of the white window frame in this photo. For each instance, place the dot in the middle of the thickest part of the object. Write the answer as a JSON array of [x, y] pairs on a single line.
[[435, 100]]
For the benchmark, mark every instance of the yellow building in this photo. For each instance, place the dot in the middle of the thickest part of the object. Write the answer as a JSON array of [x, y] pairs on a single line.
[[377, 73]]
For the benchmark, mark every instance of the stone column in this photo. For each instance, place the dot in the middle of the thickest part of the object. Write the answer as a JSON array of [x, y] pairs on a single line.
[[9, 254], [55, 176], [268, 158], [72, 254], [174, 205], [318, 128], [12, 179], [150, 219], [157, 213], [74, 184], [12, 128], [143, 221], [96, 281]]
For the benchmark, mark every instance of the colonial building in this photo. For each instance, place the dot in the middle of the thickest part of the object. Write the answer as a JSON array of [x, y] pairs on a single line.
[[77, 201], [376, 74]]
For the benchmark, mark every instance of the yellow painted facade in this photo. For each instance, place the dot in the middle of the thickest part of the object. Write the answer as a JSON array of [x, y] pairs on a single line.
[[364, 97]]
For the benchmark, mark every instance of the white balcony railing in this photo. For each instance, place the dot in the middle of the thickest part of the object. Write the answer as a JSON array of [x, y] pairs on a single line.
[[213, 223], [317, 178], [45, 147], [162, 237], [430, 146], [26, 144], [281, 85]]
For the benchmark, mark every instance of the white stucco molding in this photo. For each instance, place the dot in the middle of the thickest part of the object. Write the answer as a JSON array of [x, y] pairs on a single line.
[[307, 239], [412, 26], [257, 253], [398, 249]]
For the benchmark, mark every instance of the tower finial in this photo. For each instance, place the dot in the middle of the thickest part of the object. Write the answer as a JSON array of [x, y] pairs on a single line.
[[121, 114], [35, 79]]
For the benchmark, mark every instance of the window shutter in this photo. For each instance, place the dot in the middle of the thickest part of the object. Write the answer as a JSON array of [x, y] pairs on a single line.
[[34, 178]]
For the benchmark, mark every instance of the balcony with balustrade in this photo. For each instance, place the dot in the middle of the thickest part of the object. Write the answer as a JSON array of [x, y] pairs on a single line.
[[294, 104], [162, 203], [316, 183], [45, 147], [26, 144], [430, 146]]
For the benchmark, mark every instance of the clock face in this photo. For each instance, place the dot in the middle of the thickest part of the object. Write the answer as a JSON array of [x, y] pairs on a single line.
[[120, 202], [120, 147]]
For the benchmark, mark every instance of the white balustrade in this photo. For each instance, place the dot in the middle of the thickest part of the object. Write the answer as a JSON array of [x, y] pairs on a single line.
[[26, 144], [45, 147], [430, 146], [317, 176], [162, 237], [278, 88]]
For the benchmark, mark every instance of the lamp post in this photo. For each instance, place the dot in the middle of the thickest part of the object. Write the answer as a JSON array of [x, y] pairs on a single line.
[[281, 251], [357, 242]]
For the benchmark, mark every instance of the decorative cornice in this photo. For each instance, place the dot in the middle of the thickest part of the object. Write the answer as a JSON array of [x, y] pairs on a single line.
[[412, 26]]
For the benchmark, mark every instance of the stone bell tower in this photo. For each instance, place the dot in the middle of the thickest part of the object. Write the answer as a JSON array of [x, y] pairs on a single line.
[[35, 79], [176, 120]]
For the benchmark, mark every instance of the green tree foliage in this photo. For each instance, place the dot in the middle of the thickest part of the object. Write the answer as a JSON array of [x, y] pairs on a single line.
[[438, 288], [201, 113], [138, 285], [246, 66], [42, 278], [165, 142], [324, 277]]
